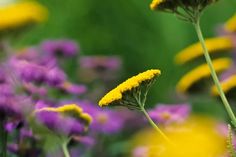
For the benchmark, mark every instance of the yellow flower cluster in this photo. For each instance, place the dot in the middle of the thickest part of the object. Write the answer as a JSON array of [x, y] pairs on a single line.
[[69, 108], [230, 25], [197, 137], [131, 83], [155, 4], [21, 14], [201, 72], [195, 50], [226, 85]]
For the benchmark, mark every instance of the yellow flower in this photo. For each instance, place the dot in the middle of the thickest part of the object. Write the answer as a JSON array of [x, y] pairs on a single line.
[[201, 72], [117, 93], [70, 109], [155, 4], [226, 85], [197, 137], [230, 25], [21, 14], [195, 50]]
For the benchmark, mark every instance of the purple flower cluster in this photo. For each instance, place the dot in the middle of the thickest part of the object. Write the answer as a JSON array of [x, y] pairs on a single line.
[[166, 114], [99, 67], [65, 48]]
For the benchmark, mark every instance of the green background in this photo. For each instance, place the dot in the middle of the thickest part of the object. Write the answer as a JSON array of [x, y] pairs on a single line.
[[143, 38]]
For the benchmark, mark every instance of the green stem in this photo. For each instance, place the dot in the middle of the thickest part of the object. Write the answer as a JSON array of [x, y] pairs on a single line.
[[213, 72], [64, 149], [3, 140], [155, 126]]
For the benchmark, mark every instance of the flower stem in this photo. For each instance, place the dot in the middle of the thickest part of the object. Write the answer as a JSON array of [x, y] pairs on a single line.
[[155, 126], [213, 72], [64, 149], [3, 140]]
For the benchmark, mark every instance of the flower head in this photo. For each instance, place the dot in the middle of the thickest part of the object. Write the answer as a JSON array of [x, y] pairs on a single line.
[[167, 114], [219, 44], [184, 9], [201, 72], [115, 96], [21, 14]]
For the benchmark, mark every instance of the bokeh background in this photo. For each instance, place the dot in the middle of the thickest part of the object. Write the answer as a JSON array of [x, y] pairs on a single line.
[[143, 38]]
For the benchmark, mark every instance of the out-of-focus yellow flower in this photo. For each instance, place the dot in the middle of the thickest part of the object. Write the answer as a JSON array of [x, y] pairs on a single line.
[[230, 25], [70, 109], [195, 50], [197, 137], [201, 72], [226, 85], [21, 14], [128, 85]]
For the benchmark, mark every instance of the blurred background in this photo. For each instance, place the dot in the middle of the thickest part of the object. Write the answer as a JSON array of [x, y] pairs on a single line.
[[144, 39]]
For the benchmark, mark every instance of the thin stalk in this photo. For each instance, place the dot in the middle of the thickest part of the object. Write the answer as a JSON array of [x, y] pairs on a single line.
[[65, 150], [213, 72], [155, 126], [3, 140]]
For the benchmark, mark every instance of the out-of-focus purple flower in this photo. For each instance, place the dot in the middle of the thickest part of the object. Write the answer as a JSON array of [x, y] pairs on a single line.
[[66, 119], [86, 140], [104, 121], [167, 114], [67, 48], [99, 67], [6, 90], [100, 63], [33, 55], [55, 77], [35, 90], [73, 88], [30, 72], [9, 107]]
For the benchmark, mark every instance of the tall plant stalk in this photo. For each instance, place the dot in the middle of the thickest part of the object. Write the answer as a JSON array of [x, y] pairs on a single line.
[[197, 27]]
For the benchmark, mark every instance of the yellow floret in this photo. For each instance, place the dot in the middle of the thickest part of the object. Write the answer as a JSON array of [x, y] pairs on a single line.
[[226, 85], [230, 25], [69, 108], [20, 14], [155, 4], [195, 50], [129, 84], [201, 72]]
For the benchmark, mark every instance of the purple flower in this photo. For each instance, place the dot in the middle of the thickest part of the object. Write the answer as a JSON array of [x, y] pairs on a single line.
[[86, 140], [66, 48], [55, 77], [167, 114], [62, 121], [100, 63], [73, 88], [99, 67], [35, 90], [104, 121], [30, 72]]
